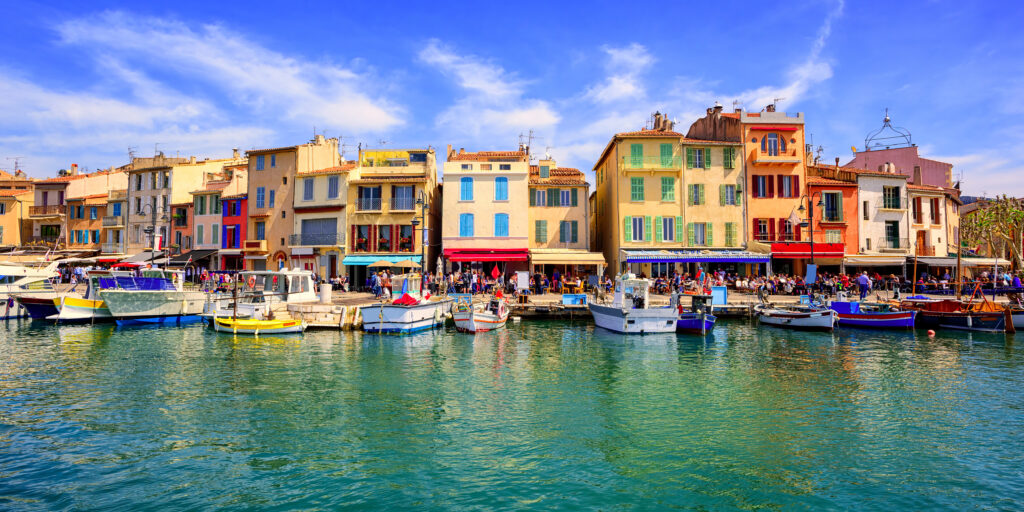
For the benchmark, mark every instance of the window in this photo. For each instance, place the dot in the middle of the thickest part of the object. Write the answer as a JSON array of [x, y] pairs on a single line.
[[501, 189], [332, 187], [215, 234], [3, 208], [167, 179], [402, 198], [891, 198], [666, 155], [261, 197], [786, 186], [261, 231], [867, 243], [485, 167], [787, 231], [668, 229], [501, 224], [259, 162], [545, 171], [215, 204], [833, 209], [273, 160], [636, 155], [270, 199], [117, 209], [638, 229], [728, 156], [466, 224], [867, 216], [542, 197], [138, 184], [832, 236], [760, 184], [770, 144], [467, 167], [540, 231], [152, 180], [465, 189], [935, 215], [568, 231], [504, 167], [727, 195], [307, 189], [138, 205], [730, 234], [95, 236], [565, 197], [762, 230], [696, 194], [699, 234], [892, 234], [636, 188], [200, 239], [699, 157], [668, 188], [369, 198]]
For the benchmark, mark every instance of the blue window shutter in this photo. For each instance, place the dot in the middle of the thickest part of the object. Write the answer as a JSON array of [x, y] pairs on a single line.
[[466, 189], [270, 200]]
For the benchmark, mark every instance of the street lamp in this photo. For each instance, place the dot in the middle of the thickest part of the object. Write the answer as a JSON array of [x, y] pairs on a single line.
[[151, 229], [421, 202], [810, 217]]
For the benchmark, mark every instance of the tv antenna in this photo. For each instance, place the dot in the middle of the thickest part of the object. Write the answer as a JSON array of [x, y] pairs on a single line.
[[529, 141], [381, 142], [736, 104], [17, 161]]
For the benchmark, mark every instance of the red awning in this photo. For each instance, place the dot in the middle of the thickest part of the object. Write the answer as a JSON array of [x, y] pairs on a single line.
[[108, 260], [803, 250], [126, 265], [775, 127], [486, 254]]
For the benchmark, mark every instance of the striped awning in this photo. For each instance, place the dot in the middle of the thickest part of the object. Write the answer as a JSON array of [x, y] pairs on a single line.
[[667, 256]]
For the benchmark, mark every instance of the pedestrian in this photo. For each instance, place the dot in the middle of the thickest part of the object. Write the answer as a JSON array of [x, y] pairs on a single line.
[[864, 282]]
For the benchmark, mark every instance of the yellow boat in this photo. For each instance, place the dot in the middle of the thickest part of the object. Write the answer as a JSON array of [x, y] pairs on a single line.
[[257, 327]]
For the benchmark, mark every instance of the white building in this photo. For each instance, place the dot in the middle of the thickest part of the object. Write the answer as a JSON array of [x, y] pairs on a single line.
[[883, 213]]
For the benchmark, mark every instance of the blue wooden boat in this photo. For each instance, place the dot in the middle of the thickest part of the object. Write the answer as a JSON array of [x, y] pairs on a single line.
[[697, 319], [872, 315]]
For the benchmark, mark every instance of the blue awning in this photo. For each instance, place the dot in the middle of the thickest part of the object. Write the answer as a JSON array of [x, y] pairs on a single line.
[[366, 259], [665, 256]]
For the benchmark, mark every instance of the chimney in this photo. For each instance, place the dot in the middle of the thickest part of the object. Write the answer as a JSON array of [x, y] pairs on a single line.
[[718, 108], [74, 169], [657, 120], [917, 175], [448, 154], [192, 159], [837, 164], [234, 153], [319, 139], [462, 151], [770, 108]]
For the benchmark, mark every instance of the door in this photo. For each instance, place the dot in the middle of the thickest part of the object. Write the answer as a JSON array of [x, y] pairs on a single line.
[[332, 265], [892, 234], [922, 249]]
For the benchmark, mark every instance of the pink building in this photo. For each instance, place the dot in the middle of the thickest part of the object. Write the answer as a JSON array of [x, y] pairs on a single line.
[[921, 171]]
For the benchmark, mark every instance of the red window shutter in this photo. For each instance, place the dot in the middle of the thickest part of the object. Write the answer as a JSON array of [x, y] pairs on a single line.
[[782, 187], [373, 237], [917, 210], [797, 235], [796, 186], [771, 186], [412, 237], [755, 232], [771, 230]]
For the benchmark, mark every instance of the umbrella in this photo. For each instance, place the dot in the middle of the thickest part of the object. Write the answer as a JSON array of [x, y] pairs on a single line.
[[381, 263], [407, 263]]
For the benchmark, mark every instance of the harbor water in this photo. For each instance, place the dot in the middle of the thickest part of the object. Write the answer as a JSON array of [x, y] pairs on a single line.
[[541, 415]]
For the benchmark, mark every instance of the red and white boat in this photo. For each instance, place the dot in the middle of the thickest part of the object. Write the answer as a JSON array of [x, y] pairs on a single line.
[[799, 317], [480, 317]]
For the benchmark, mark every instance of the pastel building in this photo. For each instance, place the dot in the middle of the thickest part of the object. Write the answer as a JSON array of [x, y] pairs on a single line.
[[928, 215], [559, 221], [180, 242], [485, 216], [234, 219], [883, 220], [317, 241], [14, 207], [208, 231], [832, 212], [85, 222], [114, 223]]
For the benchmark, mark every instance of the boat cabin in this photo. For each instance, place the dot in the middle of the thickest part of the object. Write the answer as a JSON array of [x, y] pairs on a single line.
[[631, 292], [405, 283], [285, 285]]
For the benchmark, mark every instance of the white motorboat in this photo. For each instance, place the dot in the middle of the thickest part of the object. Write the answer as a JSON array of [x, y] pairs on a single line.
[[260, 291], [24, 281], [72, 308], [408, 313], [471, 317], [156, 297], [798, 317], [630, 312]]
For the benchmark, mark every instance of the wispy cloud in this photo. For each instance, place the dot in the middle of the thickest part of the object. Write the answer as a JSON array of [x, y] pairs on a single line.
[[624, 67]]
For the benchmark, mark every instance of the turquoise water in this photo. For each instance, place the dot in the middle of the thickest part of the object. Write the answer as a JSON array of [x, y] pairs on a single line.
[[543, 415]]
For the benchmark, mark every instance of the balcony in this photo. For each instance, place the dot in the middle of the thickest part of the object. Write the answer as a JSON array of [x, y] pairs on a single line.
[[403, 204], [892, 244], [52, 210], [782, 158], [317, 239], [254, 246], [117, 195], [112, 248], [651, 162], [113, 221], [368, 204]]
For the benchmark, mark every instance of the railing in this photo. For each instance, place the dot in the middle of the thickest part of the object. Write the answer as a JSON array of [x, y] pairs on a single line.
[[365, 204], [891, 203], [783, 157], [887, 243], [317, 239], [112, 248], [925, 251], [112, 221], [115, 195], [651, 162], [403, 203], [255, 246], [53, 209]]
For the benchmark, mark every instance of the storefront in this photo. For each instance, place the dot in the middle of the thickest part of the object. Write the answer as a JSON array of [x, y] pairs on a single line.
[[231, 259], [881, 264], [654, 263], [575, 262], [356, 266], [508, 261], [792, 258]]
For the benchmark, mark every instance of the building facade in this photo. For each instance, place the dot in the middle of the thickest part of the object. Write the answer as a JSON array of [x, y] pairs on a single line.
[[928, 231], [114, 223], [908, 162], [182, 222], [85, 222], [317, 241], [235, 222], [560, 218], [15, 226], [883, 215]]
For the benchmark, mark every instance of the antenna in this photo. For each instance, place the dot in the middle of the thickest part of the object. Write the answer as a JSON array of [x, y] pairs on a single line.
[[381, 142], [156, 148], [736, 104], [547, 153], [775, 101], [529, 140], [17, 162], [131, 153]]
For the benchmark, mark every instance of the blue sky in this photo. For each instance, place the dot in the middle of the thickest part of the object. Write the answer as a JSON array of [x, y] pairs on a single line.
[[84, 81]]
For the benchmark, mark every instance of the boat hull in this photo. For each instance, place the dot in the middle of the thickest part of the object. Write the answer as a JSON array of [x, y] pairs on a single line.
[[130, 307], [399, 319], [988, 321], [10, 308], [694, 324], [1018, 319], [477, 321], [888, 320], [38, 307], [257, 327], [634, 321], [804, 320], [76, 310]]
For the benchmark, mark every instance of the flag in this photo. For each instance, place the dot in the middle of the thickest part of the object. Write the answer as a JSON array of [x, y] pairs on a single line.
[[794, 219], [495, 272]]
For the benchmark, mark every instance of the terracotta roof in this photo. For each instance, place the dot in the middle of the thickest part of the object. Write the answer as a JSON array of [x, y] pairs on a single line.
[[93, 196], [13, 192], [557, 176], [817, 180], [486, 156], [238, 195], [347, 166], [213, 186], [649, 133], [259, 215], [270, 150], [734, 115], [716, 142], [930, 188], [65, 179]]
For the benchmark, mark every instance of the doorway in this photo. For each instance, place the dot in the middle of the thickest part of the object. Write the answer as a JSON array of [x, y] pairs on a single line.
[[922, 249], [332, 265]]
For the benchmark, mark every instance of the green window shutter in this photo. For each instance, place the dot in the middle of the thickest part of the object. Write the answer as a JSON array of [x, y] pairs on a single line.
[[666, 155], [533, 197], [689, 158], [627, 228], [689, 194], [540, 231], [575, 199], [636, 155], [721, 195], [557, 192], [689, 233], [839, 205], [551, 197], [647, 228], [575, 232], [708, 239], [700, 198], [657, 229], [679, 228], [739, 194], [707, 158]]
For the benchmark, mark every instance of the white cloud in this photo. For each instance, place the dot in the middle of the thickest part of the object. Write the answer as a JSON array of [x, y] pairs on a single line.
[[624, 67]]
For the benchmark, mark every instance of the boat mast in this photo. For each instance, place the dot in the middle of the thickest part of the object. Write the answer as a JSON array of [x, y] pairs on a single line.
[[958, 281]]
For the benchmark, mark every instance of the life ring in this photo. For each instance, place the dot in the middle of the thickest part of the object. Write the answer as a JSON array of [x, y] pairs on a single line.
[[251, 281]]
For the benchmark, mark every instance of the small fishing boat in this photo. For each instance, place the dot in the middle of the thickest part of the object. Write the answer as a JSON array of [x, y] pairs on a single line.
[[955, 314], [480, 317], [73, 308], [257, 327], [798, 317], [697, 319], [408, 313], [872, 315], [39, 307], [629, 312]]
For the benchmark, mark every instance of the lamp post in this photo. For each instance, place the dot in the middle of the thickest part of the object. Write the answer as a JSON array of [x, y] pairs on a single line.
[[151, 229], [421, 202], [810, 217]]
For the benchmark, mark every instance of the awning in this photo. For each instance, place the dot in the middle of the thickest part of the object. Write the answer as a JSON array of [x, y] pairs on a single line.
[[565, 257], [775, 127], [194, 255], [302, 251], [865, 260], [666, 256], [362, 260], [982, 262], [793, 250], [144, 256], [933, 261], [486, 254]]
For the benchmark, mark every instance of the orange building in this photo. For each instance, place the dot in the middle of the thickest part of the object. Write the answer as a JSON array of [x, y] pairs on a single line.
[[85, 221], [832, 193]]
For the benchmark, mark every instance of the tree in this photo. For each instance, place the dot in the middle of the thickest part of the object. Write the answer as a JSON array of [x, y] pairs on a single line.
[[999, 224]]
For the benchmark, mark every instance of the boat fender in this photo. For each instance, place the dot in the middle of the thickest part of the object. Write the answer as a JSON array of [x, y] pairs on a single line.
[[931, 333], [437, 315]]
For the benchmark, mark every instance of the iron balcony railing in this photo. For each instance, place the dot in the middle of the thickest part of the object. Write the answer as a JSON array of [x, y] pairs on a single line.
[[111, 221], [112, 248], [53, 209], [651, 162], [402, 203], [892, 203], [317, 239], [368, 204], [892, 243]]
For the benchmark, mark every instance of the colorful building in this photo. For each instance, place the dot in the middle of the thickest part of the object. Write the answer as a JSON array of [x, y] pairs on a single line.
[[317, 241], [883, 221], [271, 176], [559, 220], [85, 222], [393, 211], [234, 219], [928, 231], [182, 221], [485, 221], [831, 208], [14, 208], [113, 234]]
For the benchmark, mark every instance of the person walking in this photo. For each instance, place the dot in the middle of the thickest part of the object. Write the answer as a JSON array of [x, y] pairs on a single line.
[[864, 282]]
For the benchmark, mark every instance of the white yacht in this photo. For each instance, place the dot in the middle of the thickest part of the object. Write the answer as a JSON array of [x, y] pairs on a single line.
[[260, 291], [630, 311], [156, 297], [24, 281]]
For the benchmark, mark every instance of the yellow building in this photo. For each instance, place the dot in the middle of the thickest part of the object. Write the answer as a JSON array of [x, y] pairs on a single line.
[[272, 173], [14, 208], [390, 192], [559, 221], [484, 219], [318, 234]]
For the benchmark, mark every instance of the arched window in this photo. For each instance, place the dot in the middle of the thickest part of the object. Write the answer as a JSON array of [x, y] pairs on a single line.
[[466, 189], [770, 144], [466, 225], [782, 144], [501, 189]]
